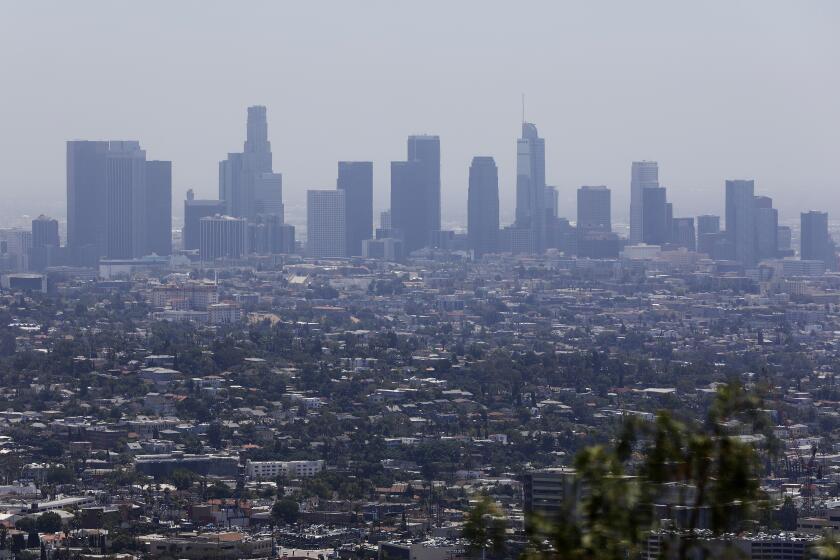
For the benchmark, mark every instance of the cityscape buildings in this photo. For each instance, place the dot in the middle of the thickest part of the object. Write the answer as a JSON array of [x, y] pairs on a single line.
[[740, 220], [355, 178], [643, 174], [483, 205], [325, 223], [530, 186]]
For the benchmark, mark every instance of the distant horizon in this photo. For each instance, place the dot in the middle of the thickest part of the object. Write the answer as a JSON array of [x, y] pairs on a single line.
[[752, 99]]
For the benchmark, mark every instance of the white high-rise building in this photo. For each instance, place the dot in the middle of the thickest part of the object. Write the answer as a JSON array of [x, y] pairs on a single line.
[[222, 237], [15, 244], [325, 223], [643, 174]]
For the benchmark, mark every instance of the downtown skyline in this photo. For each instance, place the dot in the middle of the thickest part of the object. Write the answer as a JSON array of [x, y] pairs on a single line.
[[747, 105]]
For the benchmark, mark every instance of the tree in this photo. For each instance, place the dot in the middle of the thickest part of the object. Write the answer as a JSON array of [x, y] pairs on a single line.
[[614, 514], [485, 528], [182, 479], [48, 522], [285, 510]]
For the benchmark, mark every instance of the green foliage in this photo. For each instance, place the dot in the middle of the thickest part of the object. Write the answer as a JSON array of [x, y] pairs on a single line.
[[285, 511], [60, 475], [617, 486], [182, 479], [484, 528], [48, 522]]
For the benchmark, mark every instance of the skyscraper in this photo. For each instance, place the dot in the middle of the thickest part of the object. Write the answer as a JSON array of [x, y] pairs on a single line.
[[654, 216], [483, 206], [268, 195], [125, 200], [45, 242], [593, 209], [682, 233], [552, 202], [766, 226], [415, 192], [159, 207], [530, 185], [708, 234], [86, 195], [194, 211], [241, 173], [643, 174], [740, 220], [325, 227], [425, 149], [44, 232], [222, 237], [708, 223], [355, 178], [815, 243]]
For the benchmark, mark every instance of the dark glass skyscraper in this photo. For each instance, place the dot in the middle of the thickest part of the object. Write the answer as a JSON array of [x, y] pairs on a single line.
[[654, 216], [530, 185], [415, 192], [593, 209], [44, 232], [159, 207], [740, 220], [355, 178], [815, 243], [766, 226], [483, 205], [86, 195]]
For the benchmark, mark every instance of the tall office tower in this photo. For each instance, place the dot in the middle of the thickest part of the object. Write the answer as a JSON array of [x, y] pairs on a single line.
[[483, 206], [425, 149], [15, 249], [682, 233], [325, 227], [708, 224], [45, 243], [125, 200], [269, 235], [268, 195], [355, 178], [593, 209], [654, 216], [766, 226], [530, 185], [241, 172], [552, 202], [385, 219], [783, 239], [415, 192], [86, 196], [222, 237], [194, 211], [159, 208], [44, 232], [815, 243], [643, 174], [740, 220], [409, 220]]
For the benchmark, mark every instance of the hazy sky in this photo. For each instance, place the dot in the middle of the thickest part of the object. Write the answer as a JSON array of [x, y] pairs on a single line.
[[711, 90]]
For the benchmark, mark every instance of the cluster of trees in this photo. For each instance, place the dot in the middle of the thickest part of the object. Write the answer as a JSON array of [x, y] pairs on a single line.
[[610, 515]]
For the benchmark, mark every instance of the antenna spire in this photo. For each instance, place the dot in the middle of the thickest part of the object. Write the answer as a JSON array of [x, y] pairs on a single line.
[[523, 108]]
